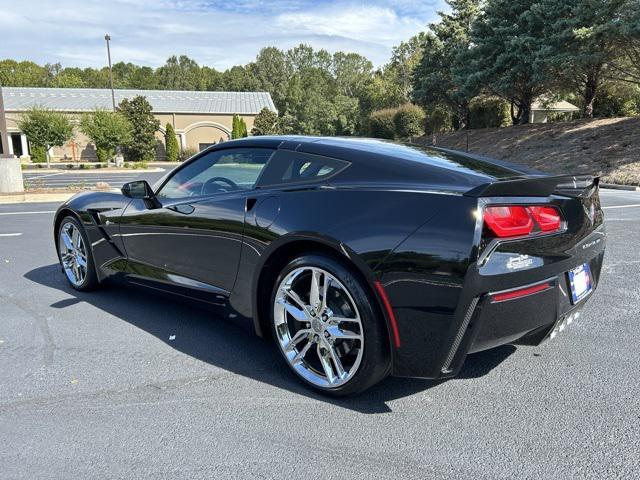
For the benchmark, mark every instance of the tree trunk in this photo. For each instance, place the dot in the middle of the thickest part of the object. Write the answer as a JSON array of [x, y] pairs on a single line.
[[589, 95], [525, 108], [525, 112], [515, 115], [463, 116]]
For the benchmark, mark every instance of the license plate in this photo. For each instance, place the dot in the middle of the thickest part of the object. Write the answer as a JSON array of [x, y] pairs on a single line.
[[580, 282]]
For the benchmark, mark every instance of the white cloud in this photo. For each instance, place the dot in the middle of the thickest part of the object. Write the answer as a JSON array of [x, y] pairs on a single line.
[[219, 34]]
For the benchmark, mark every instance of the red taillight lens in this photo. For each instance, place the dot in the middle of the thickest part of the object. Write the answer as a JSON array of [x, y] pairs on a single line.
[[548, 218], [518, 220], [508, 220]]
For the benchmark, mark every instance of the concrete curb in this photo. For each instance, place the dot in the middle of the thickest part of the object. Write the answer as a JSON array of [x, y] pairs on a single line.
[[614, 186], [36, 197]]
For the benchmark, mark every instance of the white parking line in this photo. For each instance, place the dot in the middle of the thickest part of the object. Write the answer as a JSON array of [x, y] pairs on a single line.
[[27, 213], [10, 234], [622, 206], [37, 175]]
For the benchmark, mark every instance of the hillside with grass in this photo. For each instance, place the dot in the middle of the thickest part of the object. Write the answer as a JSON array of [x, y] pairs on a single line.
[[608, 147]]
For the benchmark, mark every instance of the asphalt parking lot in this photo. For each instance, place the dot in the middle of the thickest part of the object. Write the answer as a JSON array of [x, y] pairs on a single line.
[[88, 179], [122, 383]]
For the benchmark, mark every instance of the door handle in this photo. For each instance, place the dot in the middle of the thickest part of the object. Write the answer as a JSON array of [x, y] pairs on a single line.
[[184, 209]]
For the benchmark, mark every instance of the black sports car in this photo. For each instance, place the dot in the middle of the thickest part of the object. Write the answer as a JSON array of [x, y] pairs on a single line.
[[360, 258]]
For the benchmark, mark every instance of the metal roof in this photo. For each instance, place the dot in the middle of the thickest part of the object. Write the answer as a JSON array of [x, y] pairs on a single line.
[[162, 101]]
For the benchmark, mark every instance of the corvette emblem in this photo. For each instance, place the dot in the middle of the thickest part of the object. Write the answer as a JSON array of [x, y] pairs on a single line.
[[521, 261]]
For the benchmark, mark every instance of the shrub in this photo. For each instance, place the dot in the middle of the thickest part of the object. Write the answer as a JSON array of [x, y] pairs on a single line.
[[381, 124], [409, 121], [38, 154], [488, 112], [439, 120], [171, 143], [607, 104], [187, 153], [139, 165]]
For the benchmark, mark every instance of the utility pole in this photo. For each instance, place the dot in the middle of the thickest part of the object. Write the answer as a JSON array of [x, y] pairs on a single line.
[[113, 95], [10, 169]]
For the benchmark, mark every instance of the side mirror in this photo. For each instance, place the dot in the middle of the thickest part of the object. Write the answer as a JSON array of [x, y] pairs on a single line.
[[138, 189]]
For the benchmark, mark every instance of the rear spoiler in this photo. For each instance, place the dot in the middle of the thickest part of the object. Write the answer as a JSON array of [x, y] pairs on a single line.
[[543, 186]]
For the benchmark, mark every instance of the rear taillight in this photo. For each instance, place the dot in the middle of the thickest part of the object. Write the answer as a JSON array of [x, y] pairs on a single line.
[[548, 218], [520, 220]]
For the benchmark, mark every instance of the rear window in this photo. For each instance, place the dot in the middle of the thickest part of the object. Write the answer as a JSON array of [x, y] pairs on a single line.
[[294, 167]]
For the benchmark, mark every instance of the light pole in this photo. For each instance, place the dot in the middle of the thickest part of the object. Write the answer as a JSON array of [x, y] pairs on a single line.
[[10, 169], [119, 160], [113, 95]]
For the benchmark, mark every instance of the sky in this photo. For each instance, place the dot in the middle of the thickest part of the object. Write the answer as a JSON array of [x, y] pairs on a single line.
[[214, 33]]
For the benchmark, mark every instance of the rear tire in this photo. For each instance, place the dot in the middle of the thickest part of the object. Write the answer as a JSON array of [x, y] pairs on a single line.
[[75, 255], [328, 331]]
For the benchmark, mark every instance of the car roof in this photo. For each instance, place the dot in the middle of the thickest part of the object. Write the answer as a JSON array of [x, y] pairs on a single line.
[[384, 161]]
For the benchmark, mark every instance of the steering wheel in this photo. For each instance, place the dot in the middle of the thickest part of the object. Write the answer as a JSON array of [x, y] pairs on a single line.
[[214, 181]]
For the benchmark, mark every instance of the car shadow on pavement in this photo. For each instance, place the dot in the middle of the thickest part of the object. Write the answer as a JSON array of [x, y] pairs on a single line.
[[208, 335]]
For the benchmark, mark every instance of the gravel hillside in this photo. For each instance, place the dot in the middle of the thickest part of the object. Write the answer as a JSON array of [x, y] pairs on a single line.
[[609, 147]]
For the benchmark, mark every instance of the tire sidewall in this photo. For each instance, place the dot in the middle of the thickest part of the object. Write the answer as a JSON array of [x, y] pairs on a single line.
[[374, 365]]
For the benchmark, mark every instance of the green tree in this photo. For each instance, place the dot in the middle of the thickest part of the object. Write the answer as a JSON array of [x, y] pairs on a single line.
[[107, 130], [405, 57], [582, 40], [180, 73], [171, 143], [22, 74], [439, 78], [143, 128], [45, 128], [243, 128], [238, 127], [271, 72], [265, 123], [626, 66], [506, 57], [68, 78]]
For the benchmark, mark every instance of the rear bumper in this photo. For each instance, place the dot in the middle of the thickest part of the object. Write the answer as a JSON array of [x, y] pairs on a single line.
[[436, 346]]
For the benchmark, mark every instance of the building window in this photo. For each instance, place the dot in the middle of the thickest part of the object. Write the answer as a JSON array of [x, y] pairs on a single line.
[[204, 146]]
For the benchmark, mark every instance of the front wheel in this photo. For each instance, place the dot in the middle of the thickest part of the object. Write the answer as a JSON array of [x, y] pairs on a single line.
[[75, 255], [326, 326]]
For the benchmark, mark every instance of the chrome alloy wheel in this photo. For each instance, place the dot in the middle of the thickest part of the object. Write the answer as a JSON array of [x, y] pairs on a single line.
[[73, 253], [318, 327]]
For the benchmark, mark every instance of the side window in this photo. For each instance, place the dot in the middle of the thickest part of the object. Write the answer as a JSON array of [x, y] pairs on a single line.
[[219, 171], [295, 167]]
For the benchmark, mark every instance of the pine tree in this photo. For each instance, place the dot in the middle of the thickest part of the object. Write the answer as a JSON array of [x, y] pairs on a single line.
[[243, 128], [235, 127], [438, 80], [171, 143]]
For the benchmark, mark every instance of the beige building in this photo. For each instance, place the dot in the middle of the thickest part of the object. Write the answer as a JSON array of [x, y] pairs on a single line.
[[199, 118]]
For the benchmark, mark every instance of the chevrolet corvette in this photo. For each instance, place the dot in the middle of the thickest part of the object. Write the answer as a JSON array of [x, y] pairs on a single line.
[[359, 258]]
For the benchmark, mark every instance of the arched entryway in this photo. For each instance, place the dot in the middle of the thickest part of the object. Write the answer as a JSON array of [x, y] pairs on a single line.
[[200, 135]]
